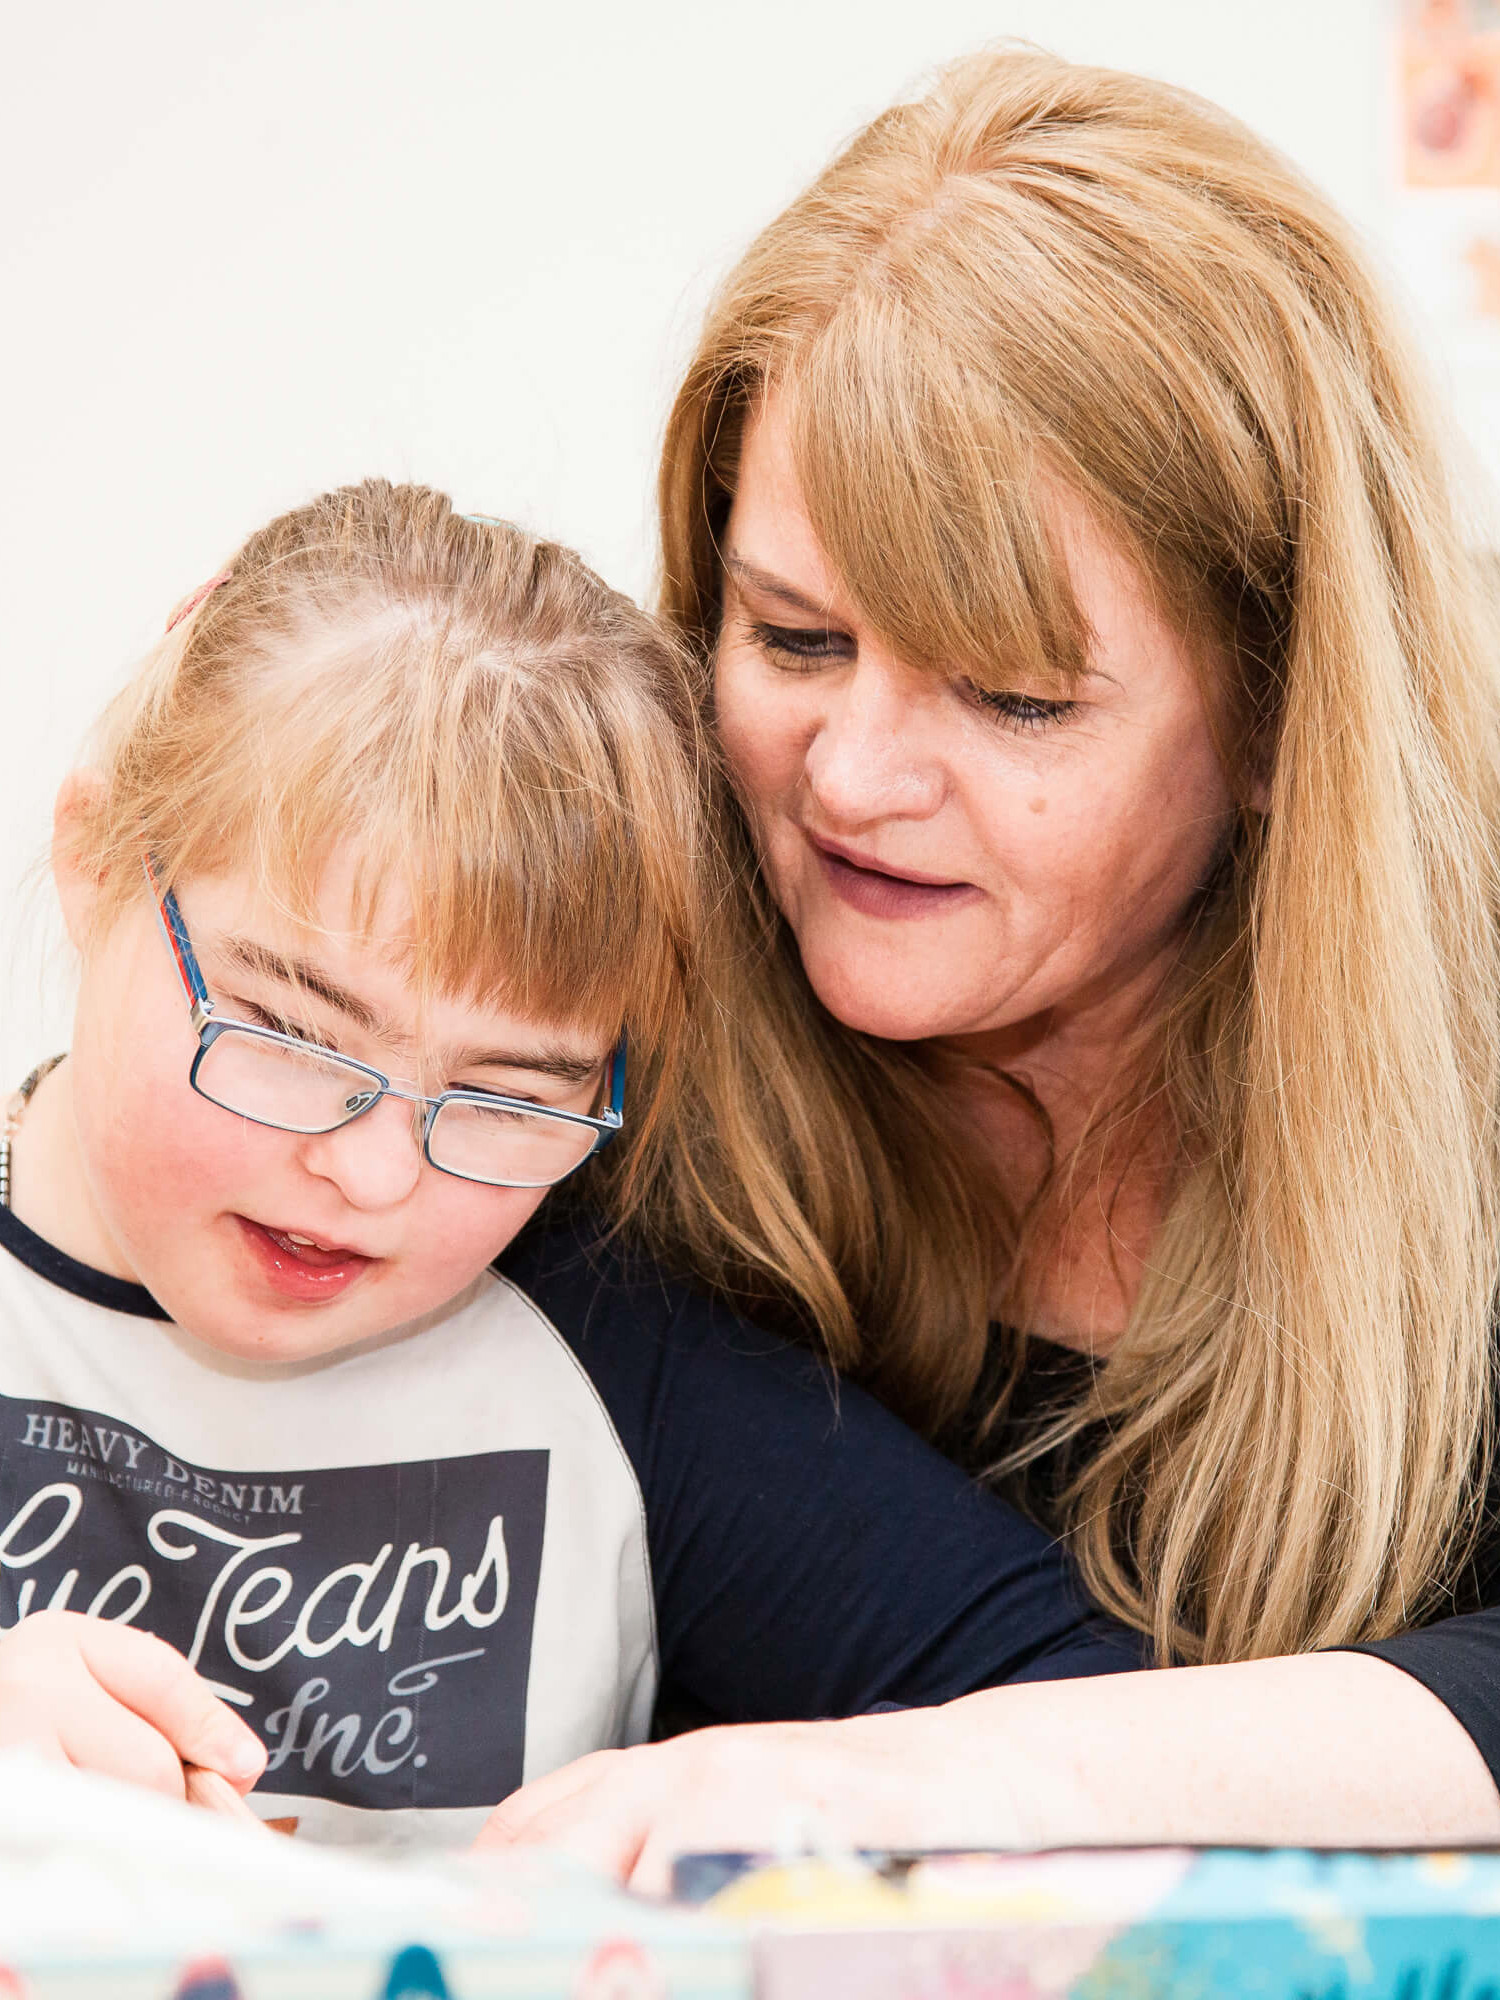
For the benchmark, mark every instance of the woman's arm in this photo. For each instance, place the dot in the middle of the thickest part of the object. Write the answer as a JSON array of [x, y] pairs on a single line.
[[1333, 1749], [810, 1555]]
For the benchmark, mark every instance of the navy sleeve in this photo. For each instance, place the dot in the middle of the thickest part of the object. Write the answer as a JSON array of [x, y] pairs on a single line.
[[811, 1556], [1458, 1660]]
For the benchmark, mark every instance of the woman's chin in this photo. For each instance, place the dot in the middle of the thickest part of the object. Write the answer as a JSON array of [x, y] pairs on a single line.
[[893, 1007]]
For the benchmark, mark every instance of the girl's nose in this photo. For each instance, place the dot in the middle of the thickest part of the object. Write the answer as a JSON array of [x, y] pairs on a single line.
[[868, 758], [374, 1162]]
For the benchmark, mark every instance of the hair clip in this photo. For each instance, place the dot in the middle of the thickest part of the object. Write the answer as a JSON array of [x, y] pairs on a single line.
[[194, 598], [492, 521]]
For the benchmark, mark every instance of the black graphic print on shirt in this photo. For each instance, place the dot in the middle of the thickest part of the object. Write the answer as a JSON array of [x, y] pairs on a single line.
[[371, 1623]]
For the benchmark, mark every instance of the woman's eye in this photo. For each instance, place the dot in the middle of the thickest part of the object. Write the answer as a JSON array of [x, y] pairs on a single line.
[[1021, 711], [802, 643]]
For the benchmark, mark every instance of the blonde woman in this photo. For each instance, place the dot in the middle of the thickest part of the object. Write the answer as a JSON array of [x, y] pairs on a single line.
[[1112, 706]]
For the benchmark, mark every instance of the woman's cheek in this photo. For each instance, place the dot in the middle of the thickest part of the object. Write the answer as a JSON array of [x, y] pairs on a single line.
[[759, 731]]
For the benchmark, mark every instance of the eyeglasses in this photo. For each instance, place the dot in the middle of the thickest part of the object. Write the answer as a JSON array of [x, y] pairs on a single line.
[[295, 1086]]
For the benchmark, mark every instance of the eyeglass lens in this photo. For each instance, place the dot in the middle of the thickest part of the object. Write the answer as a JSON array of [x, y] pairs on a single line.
[[299, 1090]]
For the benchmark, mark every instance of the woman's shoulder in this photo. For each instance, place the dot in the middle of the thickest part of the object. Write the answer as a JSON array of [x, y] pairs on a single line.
[[694, 1386], [676, 1366], [602, 1288]]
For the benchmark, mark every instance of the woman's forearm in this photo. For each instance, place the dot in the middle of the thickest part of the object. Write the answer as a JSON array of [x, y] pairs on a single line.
[[1335, 1749], [1331, 1749]]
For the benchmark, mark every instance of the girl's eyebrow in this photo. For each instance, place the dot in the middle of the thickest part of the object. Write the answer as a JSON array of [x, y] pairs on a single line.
[[549, 1060], [253, 957], [541, 1062]]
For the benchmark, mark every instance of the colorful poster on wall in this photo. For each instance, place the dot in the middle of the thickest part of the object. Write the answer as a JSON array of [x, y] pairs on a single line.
[[1450, 94], [1445, 198]]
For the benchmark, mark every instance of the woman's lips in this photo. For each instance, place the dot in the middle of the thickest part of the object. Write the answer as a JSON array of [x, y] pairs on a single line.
[[303, 1271], [878, 892]]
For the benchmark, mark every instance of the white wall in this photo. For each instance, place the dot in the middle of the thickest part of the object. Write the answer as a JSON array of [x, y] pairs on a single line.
[[253, 251]]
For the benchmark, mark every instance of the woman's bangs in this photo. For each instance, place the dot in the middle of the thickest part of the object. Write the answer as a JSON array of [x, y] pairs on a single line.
[[925, 487]]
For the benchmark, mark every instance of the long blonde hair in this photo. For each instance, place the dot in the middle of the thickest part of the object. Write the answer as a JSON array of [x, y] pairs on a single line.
[[1045, 268], [474, 714]]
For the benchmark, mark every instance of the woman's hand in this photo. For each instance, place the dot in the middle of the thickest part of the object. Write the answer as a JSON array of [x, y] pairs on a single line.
[[875, 1781], [108, 1698]]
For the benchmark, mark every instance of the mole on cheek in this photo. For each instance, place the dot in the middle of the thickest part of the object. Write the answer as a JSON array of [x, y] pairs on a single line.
[[1036, 805]]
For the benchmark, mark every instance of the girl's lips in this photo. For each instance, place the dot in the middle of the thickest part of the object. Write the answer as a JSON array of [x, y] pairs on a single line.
[[305, 1272], [875, 892]]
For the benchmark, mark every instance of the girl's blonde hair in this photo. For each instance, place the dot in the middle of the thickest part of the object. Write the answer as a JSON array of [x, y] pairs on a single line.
[[472, 714], [1044, 271]]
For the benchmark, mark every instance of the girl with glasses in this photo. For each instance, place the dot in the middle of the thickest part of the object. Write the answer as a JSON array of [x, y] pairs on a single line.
[[393, 858]]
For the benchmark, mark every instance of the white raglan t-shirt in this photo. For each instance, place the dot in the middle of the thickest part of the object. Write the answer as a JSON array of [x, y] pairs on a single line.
[[416, 1566]]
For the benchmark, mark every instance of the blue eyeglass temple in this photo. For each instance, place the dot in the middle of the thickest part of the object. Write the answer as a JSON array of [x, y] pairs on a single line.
[[182, 949], [192, 979]]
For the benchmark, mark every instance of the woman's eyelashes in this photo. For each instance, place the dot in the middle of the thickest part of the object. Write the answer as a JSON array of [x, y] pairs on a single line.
[[1019, 711], [801, 646]]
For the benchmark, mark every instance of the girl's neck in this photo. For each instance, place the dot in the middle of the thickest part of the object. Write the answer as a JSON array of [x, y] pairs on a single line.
[[49, 1190]]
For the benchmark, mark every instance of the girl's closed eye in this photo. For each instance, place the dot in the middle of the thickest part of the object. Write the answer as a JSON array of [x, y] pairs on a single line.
[[494, 1110], [266, 1017], [500, 1098]]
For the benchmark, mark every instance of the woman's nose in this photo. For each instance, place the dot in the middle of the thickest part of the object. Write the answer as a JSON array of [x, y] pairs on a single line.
[[869, 757], [375, 1161]]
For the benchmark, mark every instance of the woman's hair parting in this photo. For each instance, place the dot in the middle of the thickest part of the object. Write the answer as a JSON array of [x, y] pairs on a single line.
[[468, 711], [1042, 273]]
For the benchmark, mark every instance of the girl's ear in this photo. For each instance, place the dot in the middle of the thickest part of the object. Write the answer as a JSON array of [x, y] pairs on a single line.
[[73, 819]]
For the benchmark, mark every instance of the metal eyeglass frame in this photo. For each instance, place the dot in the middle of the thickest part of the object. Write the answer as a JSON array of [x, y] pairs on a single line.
[[604, 1126]]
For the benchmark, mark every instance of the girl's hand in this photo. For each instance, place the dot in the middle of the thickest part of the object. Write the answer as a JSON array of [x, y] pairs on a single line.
[[108, 1698], [875, 1781]]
